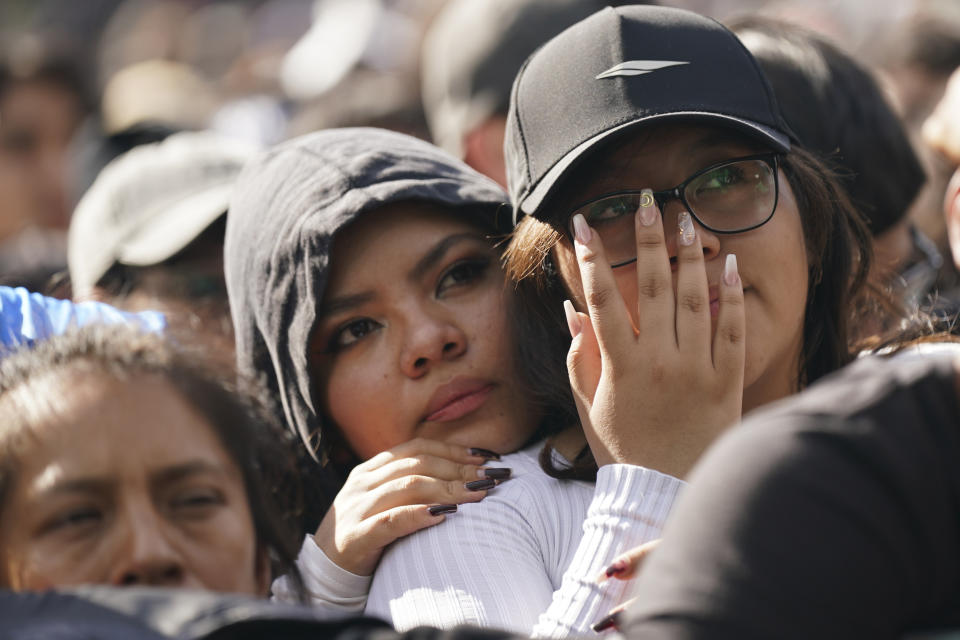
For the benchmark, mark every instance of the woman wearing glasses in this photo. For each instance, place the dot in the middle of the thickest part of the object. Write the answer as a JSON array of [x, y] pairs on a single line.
[[710, 266]]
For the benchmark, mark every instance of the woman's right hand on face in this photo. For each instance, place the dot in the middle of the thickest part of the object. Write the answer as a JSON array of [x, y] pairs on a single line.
[[390, 496], [657, 394]]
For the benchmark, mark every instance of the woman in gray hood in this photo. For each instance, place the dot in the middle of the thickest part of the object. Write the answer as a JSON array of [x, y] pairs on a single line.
[[365, 288]]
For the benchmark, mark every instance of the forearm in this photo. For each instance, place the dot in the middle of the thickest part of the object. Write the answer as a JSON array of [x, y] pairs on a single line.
[[629, 507]]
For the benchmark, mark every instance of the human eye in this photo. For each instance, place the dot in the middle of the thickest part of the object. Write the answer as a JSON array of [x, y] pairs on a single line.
[[351, 332], [610, 209], [74, 519], [196, 502], [721, 180], [462, 272]]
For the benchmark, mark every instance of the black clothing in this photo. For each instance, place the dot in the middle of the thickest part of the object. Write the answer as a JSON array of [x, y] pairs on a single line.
[[833, 514], [105, 613]]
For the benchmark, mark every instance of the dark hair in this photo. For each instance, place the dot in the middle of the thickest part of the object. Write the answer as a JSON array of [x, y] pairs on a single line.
[[838, 112], [838, 255], [262, 451]]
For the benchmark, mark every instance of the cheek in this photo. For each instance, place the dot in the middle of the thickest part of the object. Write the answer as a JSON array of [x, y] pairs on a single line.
[[222, 554], [361, 399]]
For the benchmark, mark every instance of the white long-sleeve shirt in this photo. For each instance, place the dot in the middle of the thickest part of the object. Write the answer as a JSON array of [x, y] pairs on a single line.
[[525, 559]]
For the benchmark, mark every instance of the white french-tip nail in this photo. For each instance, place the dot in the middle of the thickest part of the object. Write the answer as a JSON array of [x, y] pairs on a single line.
[[581, 230], [730, 273], [573, 320], [687, 233]]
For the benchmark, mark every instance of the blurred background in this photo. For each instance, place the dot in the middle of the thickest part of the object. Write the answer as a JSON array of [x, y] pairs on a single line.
[[82, 81]]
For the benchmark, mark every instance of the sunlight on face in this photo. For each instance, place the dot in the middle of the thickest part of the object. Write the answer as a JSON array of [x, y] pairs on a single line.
[[122, 483], [413, 337]]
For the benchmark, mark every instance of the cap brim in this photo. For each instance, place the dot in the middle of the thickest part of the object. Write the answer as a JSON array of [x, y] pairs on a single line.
[[531, 203], [163, 236]]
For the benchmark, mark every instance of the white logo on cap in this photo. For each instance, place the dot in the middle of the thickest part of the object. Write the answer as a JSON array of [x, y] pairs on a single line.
[[638, 68]]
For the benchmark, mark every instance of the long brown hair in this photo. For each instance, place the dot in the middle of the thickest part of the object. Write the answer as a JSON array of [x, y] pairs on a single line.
[[839, 252]]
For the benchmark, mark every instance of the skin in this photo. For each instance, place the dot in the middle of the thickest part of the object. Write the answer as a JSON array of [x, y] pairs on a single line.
[[39, 120], [381, 361], [772, 259], [122, 483], [393, 330]]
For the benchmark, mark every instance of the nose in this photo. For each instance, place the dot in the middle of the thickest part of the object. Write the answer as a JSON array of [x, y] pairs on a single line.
[[709, 241], [146, 557], [432, 337]]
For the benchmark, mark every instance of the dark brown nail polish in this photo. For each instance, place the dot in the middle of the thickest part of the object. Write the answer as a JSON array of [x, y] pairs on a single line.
[[611, 621], [484, 453], [616, 567], [498, 473], [440, 509], [480, 485]]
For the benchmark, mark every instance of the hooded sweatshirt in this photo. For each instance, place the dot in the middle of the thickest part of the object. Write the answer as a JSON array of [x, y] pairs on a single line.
[[288, 206]]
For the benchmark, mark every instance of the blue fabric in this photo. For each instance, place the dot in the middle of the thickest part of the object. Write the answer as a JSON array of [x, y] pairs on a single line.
[[26, 317]]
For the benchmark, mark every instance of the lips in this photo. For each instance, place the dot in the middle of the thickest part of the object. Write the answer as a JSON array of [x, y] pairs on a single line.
[[714, 293], [457, 398]]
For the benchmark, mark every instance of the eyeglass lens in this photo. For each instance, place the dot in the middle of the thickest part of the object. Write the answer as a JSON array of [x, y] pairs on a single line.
[[729, 198]]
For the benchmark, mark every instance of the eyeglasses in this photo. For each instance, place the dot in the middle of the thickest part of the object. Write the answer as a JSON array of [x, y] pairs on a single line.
[[733, 196]]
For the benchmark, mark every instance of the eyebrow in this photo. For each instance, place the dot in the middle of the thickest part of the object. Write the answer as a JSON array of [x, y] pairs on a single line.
[[102, 485], [435, 255], [429, 260]]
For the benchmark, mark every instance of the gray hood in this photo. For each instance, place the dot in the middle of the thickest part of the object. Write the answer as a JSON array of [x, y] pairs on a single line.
[[287, 208]]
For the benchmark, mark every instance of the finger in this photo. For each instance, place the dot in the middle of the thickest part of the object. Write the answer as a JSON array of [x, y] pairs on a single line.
[[605, 306], [381, 529], [434, 467], [417, 446], [693, 298], [626, 565], [411, 490], [729, 351], [655, 306], [584, 364]]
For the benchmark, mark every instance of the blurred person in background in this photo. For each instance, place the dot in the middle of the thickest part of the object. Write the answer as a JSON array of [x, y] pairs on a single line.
[[916, 59], [43, 101], [149, 233], [838, 111], [469, 58]]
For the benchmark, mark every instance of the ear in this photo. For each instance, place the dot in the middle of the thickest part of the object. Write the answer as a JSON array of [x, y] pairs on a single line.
[[951, 210]]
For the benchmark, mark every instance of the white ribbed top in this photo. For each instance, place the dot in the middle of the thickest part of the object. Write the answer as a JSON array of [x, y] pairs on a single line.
[[525, 559]]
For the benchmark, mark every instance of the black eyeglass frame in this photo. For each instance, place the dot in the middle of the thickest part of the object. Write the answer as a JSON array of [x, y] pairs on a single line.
[[662, 197]]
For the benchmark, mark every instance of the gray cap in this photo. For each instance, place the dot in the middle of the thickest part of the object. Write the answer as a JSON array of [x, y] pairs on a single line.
[[472, 52], [151, 202]]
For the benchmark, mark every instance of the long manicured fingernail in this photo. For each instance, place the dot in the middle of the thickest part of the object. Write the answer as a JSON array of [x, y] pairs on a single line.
[[483, 453], [574, 324], [497, 473], [480, 485], [648, 213], [441, 509], [687, 233], [730, 274], [581, 230], [607, 622]]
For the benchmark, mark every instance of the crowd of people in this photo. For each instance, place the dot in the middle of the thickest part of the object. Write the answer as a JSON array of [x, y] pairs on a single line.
[[478, 319]]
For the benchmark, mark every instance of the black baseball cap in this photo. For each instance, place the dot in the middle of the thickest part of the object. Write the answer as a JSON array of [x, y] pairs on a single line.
[[621, 68]]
